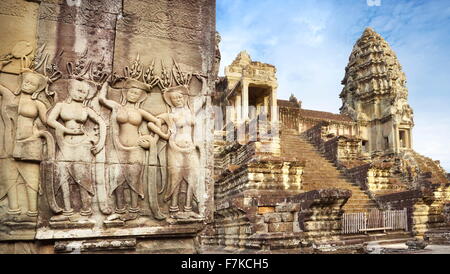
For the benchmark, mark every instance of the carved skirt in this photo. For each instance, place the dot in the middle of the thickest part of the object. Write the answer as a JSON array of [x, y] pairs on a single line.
[[127, 167], [74, 162], [13, 173], [182, 166], [29, 149]]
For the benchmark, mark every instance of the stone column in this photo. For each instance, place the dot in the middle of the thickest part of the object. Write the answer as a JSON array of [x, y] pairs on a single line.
[[266, 104], [274, 112], [244, 100], [410, 138], [397, 139], [393, 140], [238, 109], [407, 140]]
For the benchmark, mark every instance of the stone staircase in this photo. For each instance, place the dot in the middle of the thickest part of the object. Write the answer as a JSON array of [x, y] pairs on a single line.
[[321, 173]]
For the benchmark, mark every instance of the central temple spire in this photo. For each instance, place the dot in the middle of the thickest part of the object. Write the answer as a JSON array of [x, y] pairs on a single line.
[[375, 94]]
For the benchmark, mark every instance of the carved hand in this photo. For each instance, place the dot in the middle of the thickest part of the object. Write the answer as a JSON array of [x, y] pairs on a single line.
[[144, 142]]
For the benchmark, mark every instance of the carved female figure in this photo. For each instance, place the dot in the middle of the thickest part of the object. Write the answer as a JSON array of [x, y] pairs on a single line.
[[129, 144], [28, 145], [182, 154], [76, 146]]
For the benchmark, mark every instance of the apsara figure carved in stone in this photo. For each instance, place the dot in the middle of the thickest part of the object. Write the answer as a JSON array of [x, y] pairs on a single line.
[[30, 128], [76, 148], [126, 170], [183, 155]]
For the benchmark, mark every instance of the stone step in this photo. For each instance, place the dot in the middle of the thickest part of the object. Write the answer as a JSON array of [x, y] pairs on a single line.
[[320, 172]]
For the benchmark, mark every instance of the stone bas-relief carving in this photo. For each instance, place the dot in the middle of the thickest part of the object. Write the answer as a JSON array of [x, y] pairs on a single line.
[[126, 163], [87, 154], [183, 154], [76, 148], [71, 178], [129, 146], [60, 141], [24, 119]]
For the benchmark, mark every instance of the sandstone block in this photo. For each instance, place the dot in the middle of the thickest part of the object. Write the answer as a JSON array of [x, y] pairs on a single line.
[[287, 217], [280, 227], [287, 207], [272, 218]]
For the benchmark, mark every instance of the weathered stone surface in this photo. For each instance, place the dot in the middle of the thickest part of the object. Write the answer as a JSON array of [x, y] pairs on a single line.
[[272, 217], [110, 123], [416, 244], [280, 227]]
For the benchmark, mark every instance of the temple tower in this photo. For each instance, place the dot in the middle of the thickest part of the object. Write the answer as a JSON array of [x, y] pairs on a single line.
[[375, 95]]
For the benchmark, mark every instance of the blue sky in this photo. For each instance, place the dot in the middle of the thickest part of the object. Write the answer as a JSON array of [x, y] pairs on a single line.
[[310, 41]]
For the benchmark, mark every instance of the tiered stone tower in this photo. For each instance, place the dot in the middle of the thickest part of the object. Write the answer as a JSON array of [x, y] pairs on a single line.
[[375, 95]]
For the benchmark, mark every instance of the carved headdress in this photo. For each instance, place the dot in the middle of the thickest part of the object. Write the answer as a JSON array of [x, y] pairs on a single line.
[[40, 62], [131, 79], [182, 80], [90, 73]]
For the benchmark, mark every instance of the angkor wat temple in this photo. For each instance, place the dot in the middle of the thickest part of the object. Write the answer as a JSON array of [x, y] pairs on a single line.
[[118, 135]]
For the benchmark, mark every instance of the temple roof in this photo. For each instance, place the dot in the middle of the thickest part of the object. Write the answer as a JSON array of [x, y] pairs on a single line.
[[314, 114], [326, 116], [286, 104]]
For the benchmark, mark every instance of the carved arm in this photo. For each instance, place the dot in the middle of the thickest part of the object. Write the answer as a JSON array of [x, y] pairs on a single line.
[[149, 117], [102, 97], [42, 111], [102, 130]]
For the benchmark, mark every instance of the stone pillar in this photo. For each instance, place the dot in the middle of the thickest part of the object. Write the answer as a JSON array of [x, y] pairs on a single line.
[[407, 138], [410, 138], [393, 140], [244, 101], [266, 104], [238, 108], [274, 105], [397, 139]]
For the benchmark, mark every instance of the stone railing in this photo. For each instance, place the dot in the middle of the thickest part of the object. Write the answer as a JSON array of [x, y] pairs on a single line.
[[342, 150], [359, 175], [376, 178], [314, 135]]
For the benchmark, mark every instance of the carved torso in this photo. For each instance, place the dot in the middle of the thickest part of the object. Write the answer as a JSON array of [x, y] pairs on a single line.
[[129, 120], [184, 121], [74, 116], [28, 112]]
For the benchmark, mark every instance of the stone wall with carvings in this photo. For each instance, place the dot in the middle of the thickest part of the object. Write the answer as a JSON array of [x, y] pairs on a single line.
[[106, 124]]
